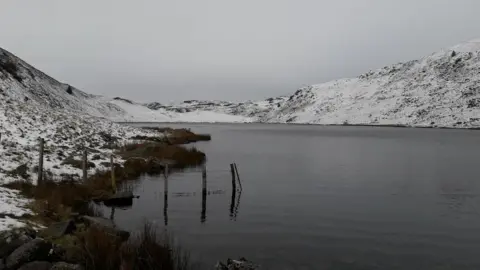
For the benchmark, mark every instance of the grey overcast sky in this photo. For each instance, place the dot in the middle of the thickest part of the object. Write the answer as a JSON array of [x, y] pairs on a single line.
[[224, 49]]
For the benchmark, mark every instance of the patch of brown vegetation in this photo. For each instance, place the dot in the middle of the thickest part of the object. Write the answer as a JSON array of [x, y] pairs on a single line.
[[55, 201], [150, 250], [184, 136], [181, 156], [179, 136]]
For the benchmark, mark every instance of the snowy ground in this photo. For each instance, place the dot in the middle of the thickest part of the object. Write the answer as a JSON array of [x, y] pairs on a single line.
[[65, 134]]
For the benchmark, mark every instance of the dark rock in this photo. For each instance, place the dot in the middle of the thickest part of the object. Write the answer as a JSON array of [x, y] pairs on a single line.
[[35, 250], [2, 265], [105, 164], [66, 266], [69, 254], [107, 137], [124, 198], [69, 90], [59, 229], [21, 171], [38, 265], [96, 157], [9, 241], [242, 264]]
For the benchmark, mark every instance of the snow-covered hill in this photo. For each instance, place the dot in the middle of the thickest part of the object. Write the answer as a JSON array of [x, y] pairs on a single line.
[[21, 82], [442, 89]]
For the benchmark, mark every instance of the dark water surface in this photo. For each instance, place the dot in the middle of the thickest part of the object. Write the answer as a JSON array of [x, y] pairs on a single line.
[[326, 198]]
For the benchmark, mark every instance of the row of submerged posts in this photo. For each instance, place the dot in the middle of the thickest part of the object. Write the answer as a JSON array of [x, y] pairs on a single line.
[[235, 201]]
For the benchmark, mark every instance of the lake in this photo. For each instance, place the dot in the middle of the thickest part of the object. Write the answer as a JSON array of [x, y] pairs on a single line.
[[317, 197]]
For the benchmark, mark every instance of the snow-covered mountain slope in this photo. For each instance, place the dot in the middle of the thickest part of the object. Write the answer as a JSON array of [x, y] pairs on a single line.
[[22, 82], [442, 89], [438, 90]]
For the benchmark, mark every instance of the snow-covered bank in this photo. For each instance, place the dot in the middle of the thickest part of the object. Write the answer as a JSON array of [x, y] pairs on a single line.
[[65, 135]]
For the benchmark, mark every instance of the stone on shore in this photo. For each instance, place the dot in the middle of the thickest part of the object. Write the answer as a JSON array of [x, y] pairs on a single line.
[[35, 250], [9, 241], [66, 266], [123, 198], [242, 264], [59, 229], [37, 265]]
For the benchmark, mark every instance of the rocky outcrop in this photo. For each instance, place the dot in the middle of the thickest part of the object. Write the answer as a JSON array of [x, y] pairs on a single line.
[[38, 265], [241, 264], [66, 266], [20, 250], [35, 250]]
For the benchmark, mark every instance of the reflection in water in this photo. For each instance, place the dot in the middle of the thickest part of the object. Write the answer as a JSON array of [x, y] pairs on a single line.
[[112, 213], [203, 216], [165, 199], [165, 208], [234, 205]]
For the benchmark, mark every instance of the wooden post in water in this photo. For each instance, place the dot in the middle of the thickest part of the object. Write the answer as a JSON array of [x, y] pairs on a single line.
[[232, 202], [166, 172], [203, 214], [84, 165], [112, 168], [234, 182], [238, 176], [165, 195], [165, 207], [40, 163], [204, 178]]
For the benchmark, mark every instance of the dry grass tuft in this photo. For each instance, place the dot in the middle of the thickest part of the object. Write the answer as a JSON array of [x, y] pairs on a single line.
[[145, 250]]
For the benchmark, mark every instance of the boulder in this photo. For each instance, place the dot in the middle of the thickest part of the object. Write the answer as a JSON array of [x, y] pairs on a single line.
[[37, 265], [59, 229], [66, 266], [9, 241], [123, 198], [35, 250], [241, 264]]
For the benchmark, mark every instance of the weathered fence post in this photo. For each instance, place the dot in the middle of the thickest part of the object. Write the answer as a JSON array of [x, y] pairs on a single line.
[[112, 168], [165, 171], [204, 178], [232, 202], [40, 163], [203, 215], [84, 165], [234, 182], [165, 207], [165, 195], [238, 176], [165, 188]]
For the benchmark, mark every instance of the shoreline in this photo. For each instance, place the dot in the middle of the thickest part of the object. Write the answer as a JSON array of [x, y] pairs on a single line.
[[67, 204], [303, 124]]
